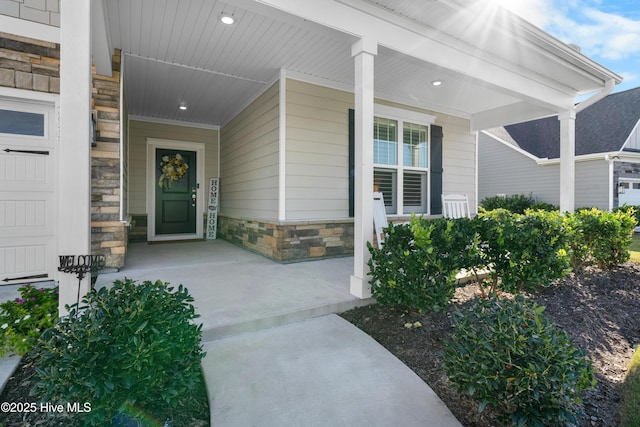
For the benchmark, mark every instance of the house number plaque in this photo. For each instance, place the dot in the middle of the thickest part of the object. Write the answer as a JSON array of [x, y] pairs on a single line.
[[212, 209]]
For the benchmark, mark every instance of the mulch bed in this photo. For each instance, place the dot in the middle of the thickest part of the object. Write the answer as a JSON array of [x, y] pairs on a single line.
[[599, 309]]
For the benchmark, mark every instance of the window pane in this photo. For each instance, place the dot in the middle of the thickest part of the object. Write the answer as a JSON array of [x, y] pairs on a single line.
[[385, 141], [415, 191], [384, 181], [415, 145], [21, 123]]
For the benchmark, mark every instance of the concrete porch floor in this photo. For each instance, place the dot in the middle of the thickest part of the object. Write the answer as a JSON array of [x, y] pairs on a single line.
[[237, 291]]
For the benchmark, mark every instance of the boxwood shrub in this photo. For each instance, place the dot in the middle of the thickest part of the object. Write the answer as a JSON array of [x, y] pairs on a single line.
[[135, 346], [507, 354]]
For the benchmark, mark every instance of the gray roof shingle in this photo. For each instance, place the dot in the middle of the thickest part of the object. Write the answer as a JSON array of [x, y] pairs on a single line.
[[603, 127]]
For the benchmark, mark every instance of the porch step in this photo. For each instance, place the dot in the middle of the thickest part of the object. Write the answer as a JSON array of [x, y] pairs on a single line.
[[240, 327]]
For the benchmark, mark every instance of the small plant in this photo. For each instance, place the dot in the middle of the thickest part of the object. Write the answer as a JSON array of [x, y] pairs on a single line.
[[417, 264], [23, 319], [135, 346], [517, 203], [600, 237], [506, 353], [524, 251]]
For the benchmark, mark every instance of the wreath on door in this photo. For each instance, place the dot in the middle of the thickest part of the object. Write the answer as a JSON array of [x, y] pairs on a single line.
[[173, 168]]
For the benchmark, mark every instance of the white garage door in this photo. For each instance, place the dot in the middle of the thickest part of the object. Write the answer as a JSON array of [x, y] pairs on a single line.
[[27, 191], [631, 194]]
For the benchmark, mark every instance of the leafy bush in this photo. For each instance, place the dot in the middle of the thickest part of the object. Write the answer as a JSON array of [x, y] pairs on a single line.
[[633, 210], [134, 346], [508, 354], [22, 320], [517, 203], [600, 237], [524, 251], [417, 263]]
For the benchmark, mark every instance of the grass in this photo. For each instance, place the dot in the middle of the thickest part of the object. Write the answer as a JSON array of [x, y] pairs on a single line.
[[634, 249], [630, 410]]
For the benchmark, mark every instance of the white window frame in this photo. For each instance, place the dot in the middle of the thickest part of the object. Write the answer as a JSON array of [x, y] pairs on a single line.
[[409, 116]]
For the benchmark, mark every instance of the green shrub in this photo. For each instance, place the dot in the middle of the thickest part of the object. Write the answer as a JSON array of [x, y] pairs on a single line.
[[134, 346], [417, 263], [23, 320], [630, 409], [600, 237], [506, 353], [517, 203], [633, 210], [524, 251]]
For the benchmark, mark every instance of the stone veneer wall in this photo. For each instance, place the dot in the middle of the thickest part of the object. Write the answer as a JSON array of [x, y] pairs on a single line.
[[288, 241], [29, 64], [108, 233]]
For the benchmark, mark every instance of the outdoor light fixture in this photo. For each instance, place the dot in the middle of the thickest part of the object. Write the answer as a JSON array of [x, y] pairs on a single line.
[[436, 82], [621, 188], [227, 18], [183, 107]]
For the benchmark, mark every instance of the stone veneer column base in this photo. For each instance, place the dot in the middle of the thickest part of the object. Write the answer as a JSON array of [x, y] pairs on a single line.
[[110, 239], [289, 241]]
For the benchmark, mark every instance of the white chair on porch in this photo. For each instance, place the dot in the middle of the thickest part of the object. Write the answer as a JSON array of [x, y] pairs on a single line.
[[379, 216], [455, 206]]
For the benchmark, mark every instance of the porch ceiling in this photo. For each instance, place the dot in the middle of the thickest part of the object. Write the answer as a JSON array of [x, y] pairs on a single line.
[[178, 51]]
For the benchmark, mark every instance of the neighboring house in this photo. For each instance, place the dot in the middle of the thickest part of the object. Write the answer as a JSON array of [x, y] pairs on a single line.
[[300, 108], [524, 158]]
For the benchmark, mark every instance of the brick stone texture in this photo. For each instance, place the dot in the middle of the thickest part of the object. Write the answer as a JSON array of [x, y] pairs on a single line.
[[289, 241], [29, 64], [109, 236]]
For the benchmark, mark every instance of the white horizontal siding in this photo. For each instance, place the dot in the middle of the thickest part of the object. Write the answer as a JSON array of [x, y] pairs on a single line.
[[139, 131], [633, 143], [317, 157], [503, 170], [592, 184], [249, 164]]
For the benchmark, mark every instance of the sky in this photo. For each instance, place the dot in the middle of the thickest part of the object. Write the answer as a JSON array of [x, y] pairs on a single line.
[[607, 31]]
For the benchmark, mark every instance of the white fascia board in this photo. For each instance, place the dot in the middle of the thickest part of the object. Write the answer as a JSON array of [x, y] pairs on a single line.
[[513, 147], [29, 29], [361, 20], [613, 155]]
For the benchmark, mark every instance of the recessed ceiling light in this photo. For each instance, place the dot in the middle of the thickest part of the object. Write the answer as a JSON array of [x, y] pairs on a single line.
[[182, 107], [436, 82], [227, 18]]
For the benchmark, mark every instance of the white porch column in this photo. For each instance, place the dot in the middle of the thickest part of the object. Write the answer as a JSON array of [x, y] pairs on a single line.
[[567, 160], [74, 210], [363, 52]]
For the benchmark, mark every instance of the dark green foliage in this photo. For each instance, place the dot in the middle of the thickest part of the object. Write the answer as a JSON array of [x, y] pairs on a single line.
[[524, 251], [600, 238], [135, 346], [517, 203], [506, 353], [417, 264]]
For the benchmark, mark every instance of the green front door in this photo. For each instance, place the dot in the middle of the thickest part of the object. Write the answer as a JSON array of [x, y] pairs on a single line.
[[175, 191]]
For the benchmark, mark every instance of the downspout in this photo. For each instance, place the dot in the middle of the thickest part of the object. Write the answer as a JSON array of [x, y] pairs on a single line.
[[612, 188], [606, 90]]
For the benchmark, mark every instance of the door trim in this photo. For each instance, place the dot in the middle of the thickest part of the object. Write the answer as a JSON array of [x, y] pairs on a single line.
[[199, 148]]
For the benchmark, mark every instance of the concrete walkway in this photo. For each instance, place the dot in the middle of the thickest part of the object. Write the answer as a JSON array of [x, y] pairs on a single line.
[[276, 353]]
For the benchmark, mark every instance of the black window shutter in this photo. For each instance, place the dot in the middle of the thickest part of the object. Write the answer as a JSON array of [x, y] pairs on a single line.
[[352, 162], [436, 170]]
